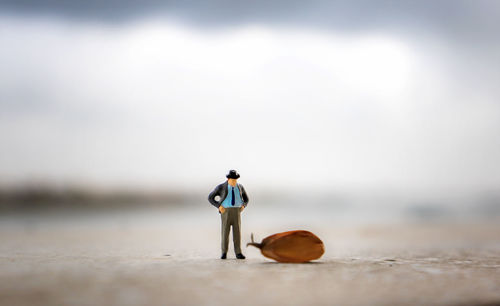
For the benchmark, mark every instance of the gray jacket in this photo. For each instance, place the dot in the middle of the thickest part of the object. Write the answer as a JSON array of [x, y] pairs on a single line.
[[221, 191]]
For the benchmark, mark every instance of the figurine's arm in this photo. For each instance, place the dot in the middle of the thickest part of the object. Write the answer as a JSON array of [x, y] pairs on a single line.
[[244, 196], [212, 195]]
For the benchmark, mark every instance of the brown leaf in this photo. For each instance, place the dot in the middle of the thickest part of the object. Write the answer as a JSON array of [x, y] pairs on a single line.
[[293, 246]]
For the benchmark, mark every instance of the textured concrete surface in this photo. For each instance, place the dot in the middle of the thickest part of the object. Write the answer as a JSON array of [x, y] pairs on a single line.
[[171, 258]]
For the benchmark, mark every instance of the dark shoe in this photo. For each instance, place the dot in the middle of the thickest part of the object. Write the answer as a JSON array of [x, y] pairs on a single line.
[[224, 256], [240, 256]]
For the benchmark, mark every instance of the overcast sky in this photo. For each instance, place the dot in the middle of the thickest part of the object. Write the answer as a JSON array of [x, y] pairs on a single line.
[[346, 94]]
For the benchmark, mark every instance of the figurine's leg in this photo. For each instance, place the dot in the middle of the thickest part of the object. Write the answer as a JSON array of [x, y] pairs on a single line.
[[236, 230], [225, 226]]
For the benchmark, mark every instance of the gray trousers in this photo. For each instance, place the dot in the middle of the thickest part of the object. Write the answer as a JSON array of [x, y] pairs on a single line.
[[231, 217]]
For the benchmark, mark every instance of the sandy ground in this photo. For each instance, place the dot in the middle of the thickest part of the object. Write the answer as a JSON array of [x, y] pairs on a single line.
[[171, 258]]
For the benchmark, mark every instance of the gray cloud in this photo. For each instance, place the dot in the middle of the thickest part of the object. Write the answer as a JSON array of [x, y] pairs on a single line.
[[82, 98], [457, 19]]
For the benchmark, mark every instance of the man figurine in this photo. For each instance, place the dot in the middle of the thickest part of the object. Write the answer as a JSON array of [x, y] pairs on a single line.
[[232, 200]]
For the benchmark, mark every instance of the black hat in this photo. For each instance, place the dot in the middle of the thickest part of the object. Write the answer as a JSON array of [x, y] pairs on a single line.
[[233, 174]]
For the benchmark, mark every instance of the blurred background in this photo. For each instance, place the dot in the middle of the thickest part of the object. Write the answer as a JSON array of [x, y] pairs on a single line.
[[373, 124], [375, 108]]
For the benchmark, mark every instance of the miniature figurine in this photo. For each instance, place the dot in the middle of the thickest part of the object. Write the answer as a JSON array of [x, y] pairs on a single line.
[[232, 200]]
